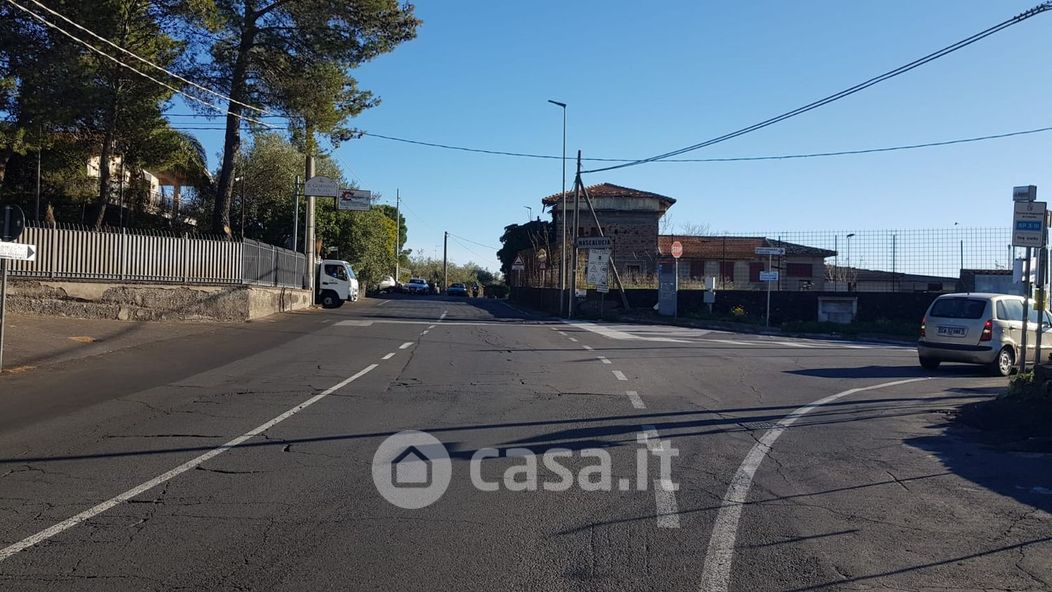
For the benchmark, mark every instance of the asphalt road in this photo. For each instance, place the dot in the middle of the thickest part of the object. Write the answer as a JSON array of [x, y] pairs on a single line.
[[246, 459]]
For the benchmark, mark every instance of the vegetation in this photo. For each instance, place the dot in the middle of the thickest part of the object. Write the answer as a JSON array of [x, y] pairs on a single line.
[[517, 237]]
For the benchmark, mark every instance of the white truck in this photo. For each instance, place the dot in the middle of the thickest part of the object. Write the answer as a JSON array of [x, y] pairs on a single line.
[[336, 283]]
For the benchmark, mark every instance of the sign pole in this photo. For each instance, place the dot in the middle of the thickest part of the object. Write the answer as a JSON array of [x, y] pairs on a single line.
[[767, 317], [1026, 309], [3, 308], [1040, 301]]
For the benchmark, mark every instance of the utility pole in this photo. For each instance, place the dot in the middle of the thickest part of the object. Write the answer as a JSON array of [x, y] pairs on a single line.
[[296, 216], [308, 235], [40, 141], [562, 215], [445, 261], [398, 232], [572, 293]]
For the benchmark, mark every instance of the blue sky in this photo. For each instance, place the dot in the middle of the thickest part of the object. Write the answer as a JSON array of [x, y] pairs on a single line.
[[641, 80]]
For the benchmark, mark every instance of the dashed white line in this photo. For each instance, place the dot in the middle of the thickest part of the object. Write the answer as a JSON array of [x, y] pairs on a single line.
[[636, 400], [588, 347], [389, 356], [732, 342], [425, 331], [429, 327], [604, 360], [715, 575], [383, 303], [405, 345], [443, 317], [665, 499], [573, 339], [619, 375], [68, 523]]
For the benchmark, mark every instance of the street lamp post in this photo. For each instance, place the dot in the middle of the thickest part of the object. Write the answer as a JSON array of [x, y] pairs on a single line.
[[849, 268], [562, 216], [529, 213]]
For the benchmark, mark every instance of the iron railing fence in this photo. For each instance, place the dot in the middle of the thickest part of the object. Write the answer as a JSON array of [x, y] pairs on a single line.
[[139, 255]]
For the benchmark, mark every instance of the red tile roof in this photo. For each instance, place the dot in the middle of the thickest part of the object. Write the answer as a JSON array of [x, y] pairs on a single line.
[[733, 247], [610, 190]]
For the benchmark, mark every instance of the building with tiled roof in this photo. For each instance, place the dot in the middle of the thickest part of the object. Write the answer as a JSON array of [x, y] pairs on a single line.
[[733, 261]]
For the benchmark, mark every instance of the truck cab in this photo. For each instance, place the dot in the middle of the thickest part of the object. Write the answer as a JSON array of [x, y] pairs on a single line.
[[336, 283]]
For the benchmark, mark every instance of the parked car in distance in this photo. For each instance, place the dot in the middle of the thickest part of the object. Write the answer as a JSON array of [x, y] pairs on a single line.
[[417, 286], [388, 284], [457, 289], [982, 329]]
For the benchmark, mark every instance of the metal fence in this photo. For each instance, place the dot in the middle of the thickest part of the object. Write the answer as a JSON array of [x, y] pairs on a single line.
[[121, 254]]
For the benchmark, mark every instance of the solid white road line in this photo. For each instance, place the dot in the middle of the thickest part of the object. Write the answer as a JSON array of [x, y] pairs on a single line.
[[604, 360], [405, 345], [620, 375], [636, 400], [715, 575], [789, 344], [732, 342], [68, 523], [389, 356], [665, 499], [622, 335]]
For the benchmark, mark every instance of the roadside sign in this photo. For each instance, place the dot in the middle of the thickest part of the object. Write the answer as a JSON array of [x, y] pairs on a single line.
[[12, 223], [677, 249], [518, 264], [1024, 193], [768, 276], [354, 200], [18, 251], [770, 250], [598, 262], [594, 242], [319, 186], [1028, 224]]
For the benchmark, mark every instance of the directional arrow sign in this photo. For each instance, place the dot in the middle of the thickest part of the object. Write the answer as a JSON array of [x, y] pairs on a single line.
[[18, 251]]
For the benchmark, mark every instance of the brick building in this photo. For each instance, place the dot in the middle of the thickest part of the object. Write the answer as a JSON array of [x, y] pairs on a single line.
[[629, 217]]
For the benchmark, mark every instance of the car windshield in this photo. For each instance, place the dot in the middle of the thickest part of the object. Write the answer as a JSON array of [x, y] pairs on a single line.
[[958, 308]]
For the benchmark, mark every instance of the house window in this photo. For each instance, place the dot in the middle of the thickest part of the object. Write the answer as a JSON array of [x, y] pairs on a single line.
[[798, 270], [633, 269], [754, 271], [727, 271]]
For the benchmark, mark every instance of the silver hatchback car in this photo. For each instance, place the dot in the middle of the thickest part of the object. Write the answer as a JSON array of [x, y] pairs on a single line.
[[980, 329]]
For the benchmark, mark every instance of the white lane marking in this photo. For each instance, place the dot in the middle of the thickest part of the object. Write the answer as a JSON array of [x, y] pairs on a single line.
[[715, 575], [621, 335], [429, 327], [620, 375], [789, 344], [604, 360], [732, 342], [573, 339], [665, 499], [425, 331], [389, 356], [383, 303], [664, 489], [443, 317], [588, 347], [401, 322], [636, 400], [405, 345], [68, 523]]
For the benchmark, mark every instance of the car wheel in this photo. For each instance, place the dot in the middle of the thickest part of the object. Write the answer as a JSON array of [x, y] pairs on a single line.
[[329, 299], [1004, 363], [354, 298], [930, 363]]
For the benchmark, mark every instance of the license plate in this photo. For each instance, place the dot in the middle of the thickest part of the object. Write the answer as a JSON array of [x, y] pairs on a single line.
[[953, 331]]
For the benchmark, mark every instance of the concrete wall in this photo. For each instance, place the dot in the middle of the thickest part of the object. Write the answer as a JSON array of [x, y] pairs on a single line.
[[151, 302]]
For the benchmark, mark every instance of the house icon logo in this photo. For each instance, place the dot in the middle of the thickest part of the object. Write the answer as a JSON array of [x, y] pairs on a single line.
[[411, 469]]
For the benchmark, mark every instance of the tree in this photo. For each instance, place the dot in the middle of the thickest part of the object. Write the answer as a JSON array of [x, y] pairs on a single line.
[[293, 56], [518, 237]]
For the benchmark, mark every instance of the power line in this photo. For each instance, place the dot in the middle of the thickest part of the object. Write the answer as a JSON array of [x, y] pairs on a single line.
[[123, 65], [731, 159], [144, 60], [474, 242], [844, 93]]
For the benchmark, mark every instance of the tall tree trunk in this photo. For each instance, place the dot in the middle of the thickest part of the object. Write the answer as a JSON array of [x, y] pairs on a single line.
[[104, 177], [232, 138], [5, 157]]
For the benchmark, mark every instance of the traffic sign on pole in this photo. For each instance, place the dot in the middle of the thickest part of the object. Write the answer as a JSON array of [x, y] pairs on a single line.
[[770, 250], [12, 222], [677, 249], [18, 251], [354, 200], [1028, 224]]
